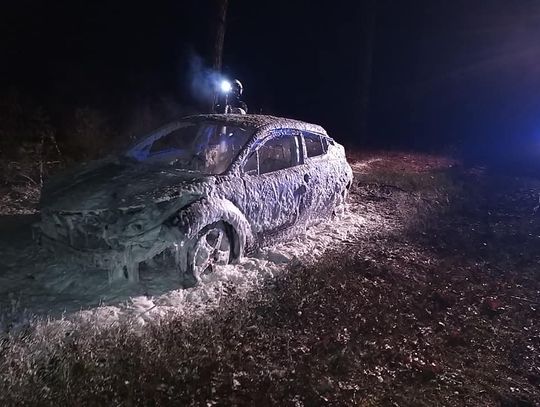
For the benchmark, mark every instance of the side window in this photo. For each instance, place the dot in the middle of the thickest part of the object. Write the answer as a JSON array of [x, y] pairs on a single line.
[[279, 153], [251, 166], [314, 144], [275, 155]]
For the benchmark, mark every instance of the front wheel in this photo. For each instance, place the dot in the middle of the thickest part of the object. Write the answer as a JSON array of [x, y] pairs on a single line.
[[211, 248]]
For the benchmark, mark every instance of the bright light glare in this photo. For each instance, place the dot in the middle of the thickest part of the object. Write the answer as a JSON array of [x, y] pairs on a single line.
[[226, 86]]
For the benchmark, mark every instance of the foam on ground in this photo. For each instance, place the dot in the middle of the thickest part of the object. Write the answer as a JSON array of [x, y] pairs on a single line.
[[35, 284]]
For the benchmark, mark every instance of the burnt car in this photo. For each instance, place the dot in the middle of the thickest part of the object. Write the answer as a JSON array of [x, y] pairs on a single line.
[[205, 189]]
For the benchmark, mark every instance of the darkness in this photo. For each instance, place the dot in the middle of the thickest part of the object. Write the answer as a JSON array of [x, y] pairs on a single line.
[[448, 75]]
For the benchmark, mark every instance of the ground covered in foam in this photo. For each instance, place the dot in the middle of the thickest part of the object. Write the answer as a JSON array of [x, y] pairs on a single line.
[[426, 292]]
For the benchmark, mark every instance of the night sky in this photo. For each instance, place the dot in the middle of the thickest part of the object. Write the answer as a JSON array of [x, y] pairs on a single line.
[[446, 74]]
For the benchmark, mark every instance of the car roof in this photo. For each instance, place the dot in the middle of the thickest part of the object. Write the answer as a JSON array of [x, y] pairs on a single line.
[[258, 121]]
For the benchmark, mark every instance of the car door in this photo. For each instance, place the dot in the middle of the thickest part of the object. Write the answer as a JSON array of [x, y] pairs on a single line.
[[275, 187], [320, 174]]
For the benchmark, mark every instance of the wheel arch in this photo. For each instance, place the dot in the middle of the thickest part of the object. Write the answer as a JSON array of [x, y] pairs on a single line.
[[206, 211]]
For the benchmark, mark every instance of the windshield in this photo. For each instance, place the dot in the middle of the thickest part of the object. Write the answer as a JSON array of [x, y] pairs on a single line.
[[209, 148]]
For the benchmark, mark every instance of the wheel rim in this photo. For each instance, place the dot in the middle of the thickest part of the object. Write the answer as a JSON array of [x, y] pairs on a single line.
[[212, 249]]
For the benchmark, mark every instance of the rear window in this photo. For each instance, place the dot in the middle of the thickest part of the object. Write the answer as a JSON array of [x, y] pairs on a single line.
[[314, 144]]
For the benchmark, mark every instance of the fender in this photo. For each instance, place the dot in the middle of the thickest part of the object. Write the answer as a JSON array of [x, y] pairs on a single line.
[[191, 219]]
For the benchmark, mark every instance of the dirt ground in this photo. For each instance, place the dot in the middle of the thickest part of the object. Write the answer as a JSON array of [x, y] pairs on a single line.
[[442, 310]]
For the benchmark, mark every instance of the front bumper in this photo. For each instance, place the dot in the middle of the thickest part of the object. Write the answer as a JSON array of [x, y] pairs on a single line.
[[123, 262]]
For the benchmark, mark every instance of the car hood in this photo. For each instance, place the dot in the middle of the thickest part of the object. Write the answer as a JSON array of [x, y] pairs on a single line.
[[120, 184]]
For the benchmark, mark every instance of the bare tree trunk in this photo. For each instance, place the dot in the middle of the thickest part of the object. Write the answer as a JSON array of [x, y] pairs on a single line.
[[219, 40], [369, 16], [220, 33]]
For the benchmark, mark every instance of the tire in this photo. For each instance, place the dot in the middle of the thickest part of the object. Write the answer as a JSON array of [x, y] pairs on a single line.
[[212, 247]]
